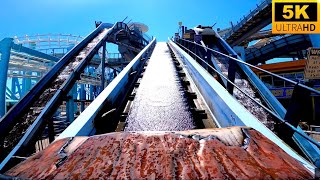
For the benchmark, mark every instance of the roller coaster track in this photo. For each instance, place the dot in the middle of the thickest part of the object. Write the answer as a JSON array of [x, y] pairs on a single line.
[[250, 24]]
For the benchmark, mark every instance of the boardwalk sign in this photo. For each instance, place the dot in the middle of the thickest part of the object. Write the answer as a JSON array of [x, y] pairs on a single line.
[[312, 68]]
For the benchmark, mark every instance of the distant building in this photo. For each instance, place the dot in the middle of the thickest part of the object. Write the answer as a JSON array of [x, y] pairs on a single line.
[[282, 90]]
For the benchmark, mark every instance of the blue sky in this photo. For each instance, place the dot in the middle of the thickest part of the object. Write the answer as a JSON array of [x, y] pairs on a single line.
[[21, 17]]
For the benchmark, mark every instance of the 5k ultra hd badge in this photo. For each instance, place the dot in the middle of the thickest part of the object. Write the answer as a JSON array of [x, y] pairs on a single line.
[[295, 16]]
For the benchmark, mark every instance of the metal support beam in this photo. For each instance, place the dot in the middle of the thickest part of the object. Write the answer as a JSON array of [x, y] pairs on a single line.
[[241, 51], [11, 94], [103, 63], [82, 97], [298, 110], [13, 86], [75, 96], [231, 74], [114, 73], [70, 106], [51, 130], [5, 48], [26, 83], [17, 84]]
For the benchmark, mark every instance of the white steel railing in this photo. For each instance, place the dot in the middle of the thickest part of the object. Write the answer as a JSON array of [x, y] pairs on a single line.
[[48, 41]]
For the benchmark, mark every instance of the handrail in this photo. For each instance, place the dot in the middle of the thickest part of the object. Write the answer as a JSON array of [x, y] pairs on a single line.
[[261, 105], [260, 69]]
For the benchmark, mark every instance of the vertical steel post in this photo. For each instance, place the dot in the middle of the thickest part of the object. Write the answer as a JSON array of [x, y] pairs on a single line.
[[13, 86], [114, 73], [182, 32], [70, 106], [231, 74], [51, 132], [5, 48], [103, 61], [241, 51], [75, 96], [19, 87], [26, 82], [91, 95], [298, 109], [82, 97]]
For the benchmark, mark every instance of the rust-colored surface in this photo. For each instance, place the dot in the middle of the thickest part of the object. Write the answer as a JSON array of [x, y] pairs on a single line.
[[240, 153]]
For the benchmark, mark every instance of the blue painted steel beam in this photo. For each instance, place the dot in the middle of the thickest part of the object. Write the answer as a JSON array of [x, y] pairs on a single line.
[[82, 97], [18, 86], [103, 63], [26, 83], [13, 86], [91, 95], [11, 94], [70, 106], [5, 48]]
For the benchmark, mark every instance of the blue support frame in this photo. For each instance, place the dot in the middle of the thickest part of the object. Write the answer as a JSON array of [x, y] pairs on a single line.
[[26, 83], [5, 48], [231, 74], [11, 94], [82, 97], [70, 105], [103, 64], [315, 40], [91, 95]]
